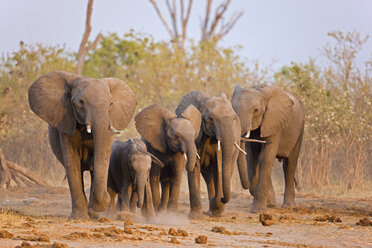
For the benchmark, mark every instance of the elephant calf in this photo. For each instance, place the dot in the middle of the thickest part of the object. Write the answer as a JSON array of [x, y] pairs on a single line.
[[171, 138], [128, 176]]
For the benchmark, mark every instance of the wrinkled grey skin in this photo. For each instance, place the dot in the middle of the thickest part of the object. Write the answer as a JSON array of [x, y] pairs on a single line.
[[219, 122], [269, 113], [71, 105], [170, 138], [128, 176]]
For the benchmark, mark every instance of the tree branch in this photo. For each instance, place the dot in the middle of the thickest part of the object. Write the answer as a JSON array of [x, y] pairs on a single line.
[[162, 18]]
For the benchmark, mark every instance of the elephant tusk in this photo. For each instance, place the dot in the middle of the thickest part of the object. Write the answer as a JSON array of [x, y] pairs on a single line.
[[197, 155], [255, 140], [248, 133], [185, 156], [115, 131], [89, 128], [240, 149], [219, 145]]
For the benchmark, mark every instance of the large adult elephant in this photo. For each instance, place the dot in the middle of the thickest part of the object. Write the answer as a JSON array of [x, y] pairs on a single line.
[[220, 130], [270, 114], [170, 138], [83, 114]]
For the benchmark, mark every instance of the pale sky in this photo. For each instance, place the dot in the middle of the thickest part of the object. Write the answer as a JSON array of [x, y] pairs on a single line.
[[280, 30]]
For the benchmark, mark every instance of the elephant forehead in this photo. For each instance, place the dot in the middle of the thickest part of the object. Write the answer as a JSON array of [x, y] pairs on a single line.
[[180, 125], [219, 106], [252, 97], [89, 87], [141, 160]]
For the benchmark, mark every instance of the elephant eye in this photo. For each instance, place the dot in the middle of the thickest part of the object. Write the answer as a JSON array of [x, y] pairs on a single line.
[[176, 136], [255, 110], [81, 102]]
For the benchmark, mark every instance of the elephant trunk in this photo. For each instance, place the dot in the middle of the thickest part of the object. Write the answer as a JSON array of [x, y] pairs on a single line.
[[242, 167], [191, 155], [140, 185], [102, 150], [227, 156]]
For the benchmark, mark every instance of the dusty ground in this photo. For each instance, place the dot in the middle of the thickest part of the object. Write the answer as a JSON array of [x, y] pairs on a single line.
[[39, 216]]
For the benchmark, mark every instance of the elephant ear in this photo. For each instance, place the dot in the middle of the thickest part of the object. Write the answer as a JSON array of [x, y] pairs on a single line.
[[124, 103], [150, 123], [278, 112], [235, 97], [195, 98], [194, 116], [49, 98]]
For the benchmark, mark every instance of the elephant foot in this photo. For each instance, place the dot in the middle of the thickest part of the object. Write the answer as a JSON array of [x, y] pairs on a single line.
[[196, 214], [258, 207], [93, 215], [271, 203], [216, 207], [287, 204], [79, 215], [102, 204]]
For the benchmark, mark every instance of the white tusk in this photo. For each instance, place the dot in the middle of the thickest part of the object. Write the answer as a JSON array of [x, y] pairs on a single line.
[[248, 133], [89, 128], [115, 131], [238, 147], [219, 145], [197, 155], [184, 154]]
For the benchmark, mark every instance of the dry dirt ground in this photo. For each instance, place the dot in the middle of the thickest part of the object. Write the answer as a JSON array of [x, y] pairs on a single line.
[[37, 217]]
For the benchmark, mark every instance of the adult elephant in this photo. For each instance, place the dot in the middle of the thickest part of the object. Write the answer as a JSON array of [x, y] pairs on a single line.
[[218, 144], [270, 114], [83, 114], [170, 138]]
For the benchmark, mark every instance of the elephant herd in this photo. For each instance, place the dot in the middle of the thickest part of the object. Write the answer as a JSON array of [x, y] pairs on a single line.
[[206, 135]]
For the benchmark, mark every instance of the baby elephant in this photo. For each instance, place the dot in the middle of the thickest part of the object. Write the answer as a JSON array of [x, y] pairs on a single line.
[[128, 176]]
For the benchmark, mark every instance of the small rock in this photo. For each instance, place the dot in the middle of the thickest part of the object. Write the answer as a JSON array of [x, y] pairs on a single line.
[[172, 231], [24, 244], [104, 220], [364, 222], [128, 222], [233, 217], [174, 240], [59, 245], [201, 239], [5, 234], [266, 219]]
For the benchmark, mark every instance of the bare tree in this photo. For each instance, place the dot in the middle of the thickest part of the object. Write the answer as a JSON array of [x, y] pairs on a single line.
[[84, 49], [184, 18], [209, 26]]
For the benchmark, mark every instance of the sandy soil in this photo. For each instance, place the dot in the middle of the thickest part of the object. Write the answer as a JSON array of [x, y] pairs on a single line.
[[38, 216]]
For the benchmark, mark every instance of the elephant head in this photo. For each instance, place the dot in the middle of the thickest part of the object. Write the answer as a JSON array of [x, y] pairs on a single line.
[[265, 107], [167, 132], [139, 164], [219, 121], [103, 106]]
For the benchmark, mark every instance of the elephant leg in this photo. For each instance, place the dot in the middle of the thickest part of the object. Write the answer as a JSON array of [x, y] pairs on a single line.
[[176, 180], [193, 179], [111, 208], [72, 165], [216, 207], [266, 162], [271, 202], [207, 174], [253, 152], [133, 201], [125, 194], [165, 185], [93, 214], [149, 206], [155, 189], [289, 167]]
